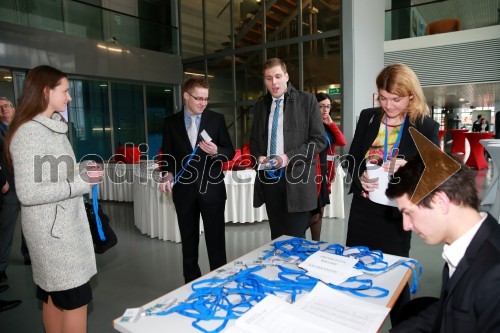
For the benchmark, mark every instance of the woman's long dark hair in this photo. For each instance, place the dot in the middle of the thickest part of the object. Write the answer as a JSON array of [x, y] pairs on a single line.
[[34, 100]]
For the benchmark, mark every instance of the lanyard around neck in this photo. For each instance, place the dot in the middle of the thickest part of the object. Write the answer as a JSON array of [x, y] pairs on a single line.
[[398, 139]]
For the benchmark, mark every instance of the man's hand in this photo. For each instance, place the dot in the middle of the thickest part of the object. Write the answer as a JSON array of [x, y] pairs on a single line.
[[208, 147], [167, 183], [277, 162]]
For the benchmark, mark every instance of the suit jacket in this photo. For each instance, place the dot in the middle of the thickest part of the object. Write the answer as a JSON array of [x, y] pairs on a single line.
[[470, 300], [366, 132], [3, 163], [303, 136], [204, 171]]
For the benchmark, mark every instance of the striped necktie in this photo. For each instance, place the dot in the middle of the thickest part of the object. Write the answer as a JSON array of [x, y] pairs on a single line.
[[274, 131]]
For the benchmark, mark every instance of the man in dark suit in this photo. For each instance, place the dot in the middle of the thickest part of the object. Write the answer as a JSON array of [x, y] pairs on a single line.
[[195, 143], [5, 305], [287, 133], [9, 209], [469, 301]]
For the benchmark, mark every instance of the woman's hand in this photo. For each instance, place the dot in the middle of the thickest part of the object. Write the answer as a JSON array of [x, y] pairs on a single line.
[[369, 185], [393, 164], [327, 120]]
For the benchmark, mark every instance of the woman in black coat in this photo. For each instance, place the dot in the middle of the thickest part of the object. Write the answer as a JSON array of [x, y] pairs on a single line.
[[382, 136]]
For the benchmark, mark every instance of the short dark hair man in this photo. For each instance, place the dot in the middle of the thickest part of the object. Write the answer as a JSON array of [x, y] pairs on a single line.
[[287, 132], [470, 300], [201, 187]]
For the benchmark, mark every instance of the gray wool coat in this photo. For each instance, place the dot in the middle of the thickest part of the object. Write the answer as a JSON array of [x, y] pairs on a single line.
[[51, 190]]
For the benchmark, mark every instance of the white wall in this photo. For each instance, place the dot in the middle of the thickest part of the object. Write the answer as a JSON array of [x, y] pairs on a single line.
[[363, 28]]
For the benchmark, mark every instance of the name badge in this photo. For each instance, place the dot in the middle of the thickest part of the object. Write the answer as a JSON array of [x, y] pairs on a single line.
[[330, 158]]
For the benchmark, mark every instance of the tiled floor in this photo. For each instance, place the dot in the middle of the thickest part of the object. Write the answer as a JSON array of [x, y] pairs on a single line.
[[140, 269]]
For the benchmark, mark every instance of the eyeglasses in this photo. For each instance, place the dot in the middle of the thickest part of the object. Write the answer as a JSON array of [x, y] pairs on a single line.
[[324, 106], [199, 99], [6, 105]]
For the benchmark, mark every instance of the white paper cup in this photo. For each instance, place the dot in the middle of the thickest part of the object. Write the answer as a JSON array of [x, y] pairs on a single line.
[[375, 171]]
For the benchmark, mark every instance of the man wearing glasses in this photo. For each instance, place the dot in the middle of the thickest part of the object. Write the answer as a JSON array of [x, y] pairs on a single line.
[[195, 143], [9, 205]]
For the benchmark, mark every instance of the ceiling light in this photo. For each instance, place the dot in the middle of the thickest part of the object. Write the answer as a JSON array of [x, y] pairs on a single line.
[[461, 99]]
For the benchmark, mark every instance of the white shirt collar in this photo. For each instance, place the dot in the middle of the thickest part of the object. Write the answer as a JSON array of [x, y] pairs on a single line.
[[454, 252]]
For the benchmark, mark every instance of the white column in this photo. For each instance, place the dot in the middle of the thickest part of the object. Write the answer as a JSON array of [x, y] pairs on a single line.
[[363, 29]]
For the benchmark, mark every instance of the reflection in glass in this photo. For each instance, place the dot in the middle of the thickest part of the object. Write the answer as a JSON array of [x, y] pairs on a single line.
[[220, 80], [159, 105], [128, 114], [89, 118]]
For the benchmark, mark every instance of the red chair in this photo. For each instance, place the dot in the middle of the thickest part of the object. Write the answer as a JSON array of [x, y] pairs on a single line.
[[127, 154], [246, 161], [442, 26], [230, 164]]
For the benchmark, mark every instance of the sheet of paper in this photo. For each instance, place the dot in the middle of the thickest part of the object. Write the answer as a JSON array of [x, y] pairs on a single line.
[[334, 311], [271, 315], [330, 268]]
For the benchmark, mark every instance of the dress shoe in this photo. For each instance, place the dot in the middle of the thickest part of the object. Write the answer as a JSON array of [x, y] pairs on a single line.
[[3, 277], [3, 288], [7, 305]]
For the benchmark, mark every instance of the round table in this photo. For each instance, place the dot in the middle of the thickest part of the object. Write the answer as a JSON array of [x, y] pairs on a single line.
[[476, 158], [458, 137]]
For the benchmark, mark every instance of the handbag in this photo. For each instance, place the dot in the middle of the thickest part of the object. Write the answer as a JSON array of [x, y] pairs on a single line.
[[103, 236]]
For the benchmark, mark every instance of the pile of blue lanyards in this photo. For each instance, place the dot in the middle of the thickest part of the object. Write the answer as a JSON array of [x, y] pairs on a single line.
[[222, 299]]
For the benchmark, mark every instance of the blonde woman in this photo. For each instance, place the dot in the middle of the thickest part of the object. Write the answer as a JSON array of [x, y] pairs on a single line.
[[382, 136]]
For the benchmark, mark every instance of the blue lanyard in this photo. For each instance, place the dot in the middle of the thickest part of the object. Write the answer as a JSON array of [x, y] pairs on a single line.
[[377, 257], [275, 174], [95, 205], [181, 171], [398, 139], [224, 299], [328, 140]]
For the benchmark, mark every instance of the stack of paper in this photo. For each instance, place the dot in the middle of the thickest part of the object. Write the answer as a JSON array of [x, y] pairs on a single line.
[[322, 310]]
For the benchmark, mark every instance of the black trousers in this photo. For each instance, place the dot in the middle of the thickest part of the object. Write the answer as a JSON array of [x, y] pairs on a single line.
[[188, 216], [281, 221]]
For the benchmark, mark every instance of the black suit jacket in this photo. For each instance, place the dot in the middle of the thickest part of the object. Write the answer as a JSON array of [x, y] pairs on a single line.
[[204, 171], [470, 300], [366, 132]]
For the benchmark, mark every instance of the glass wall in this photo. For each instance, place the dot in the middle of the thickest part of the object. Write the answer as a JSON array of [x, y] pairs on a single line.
[[147, 24], [159, 104], [89, 123], [411, 18], [306, 38], [128, 116]]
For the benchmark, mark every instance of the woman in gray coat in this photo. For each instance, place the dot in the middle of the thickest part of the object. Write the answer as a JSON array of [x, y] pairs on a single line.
[[50, 190]]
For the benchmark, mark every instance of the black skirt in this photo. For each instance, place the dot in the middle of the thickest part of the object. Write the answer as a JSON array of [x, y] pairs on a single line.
[[67, 299], [323, 198], [378, 227]]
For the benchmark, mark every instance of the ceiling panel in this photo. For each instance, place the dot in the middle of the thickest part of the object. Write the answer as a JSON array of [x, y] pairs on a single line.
[[479, 95]]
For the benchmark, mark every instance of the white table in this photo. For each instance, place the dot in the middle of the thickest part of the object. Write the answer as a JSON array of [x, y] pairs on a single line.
[[154, 212], [492, 195], [117, 182], [393, 280]]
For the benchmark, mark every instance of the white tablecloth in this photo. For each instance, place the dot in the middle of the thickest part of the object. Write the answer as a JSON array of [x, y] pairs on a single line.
[[117, 182], [492, 196], [154, 212]]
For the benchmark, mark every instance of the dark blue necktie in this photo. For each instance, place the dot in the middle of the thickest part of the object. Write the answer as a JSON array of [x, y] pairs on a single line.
[[274, 131]]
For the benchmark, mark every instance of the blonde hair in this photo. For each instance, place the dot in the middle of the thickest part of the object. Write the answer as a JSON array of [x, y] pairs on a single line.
[[401, 80]]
